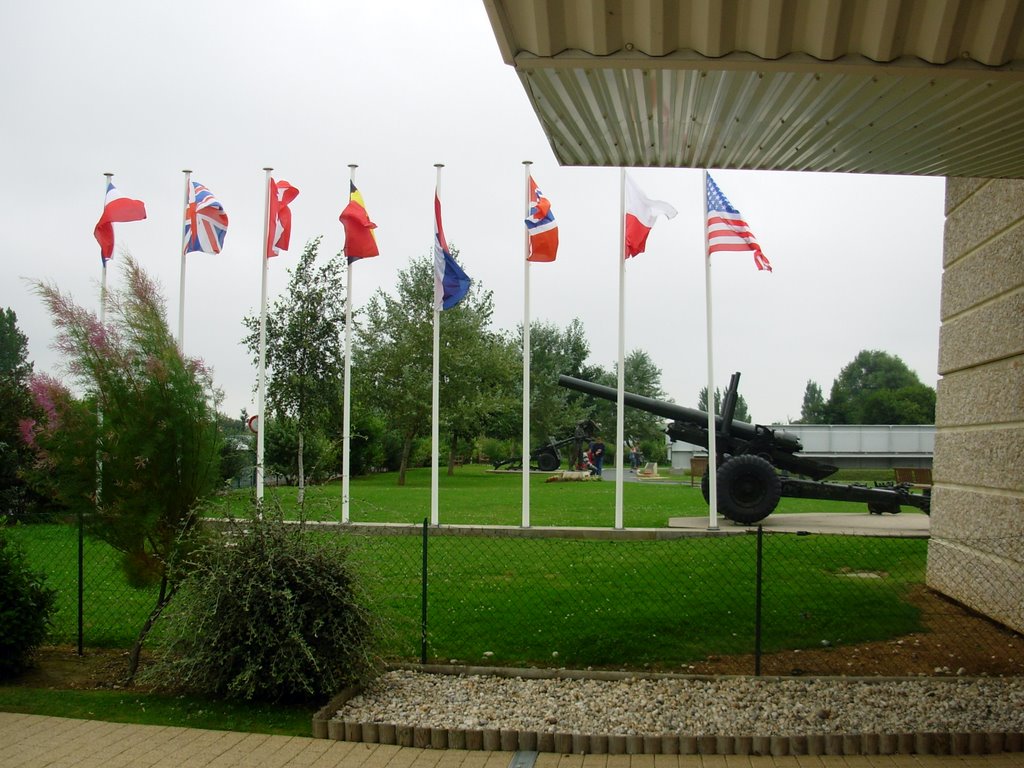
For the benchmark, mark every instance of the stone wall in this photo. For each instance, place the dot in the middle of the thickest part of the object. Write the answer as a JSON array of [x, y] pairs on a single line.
[[976, 553]]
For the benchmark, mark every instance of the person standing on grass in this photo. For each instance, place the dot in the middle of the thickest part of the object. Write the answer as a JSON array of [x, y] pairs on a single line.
[[597, 450]]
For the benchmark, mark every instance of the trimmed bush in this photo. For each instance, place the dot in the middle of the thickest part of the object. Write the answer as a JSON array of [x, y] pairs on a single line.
[[267, 611], [26, 608]]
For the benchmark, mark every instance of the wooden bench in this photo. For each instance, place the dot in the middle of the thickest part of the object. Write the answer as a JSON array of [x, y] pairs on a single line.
[[698, 466], [917, 477]]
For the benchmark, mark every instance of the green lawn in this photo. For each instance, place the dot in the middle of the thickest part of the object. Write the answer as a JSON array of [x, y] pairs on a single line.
[[473, 495], [505, 600], [156, 709]]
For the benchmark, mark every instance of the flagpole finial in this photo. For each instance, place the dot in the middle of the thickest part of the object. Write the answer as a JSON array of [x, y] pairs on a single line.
[[439, 165], [186, 170], [108, 174], [267, 168], [527, 162], [353, 165]]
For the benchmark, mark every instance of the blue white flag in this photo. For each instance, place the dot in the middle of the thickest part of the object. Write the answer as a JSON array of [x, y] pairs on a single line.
[[450, 283]]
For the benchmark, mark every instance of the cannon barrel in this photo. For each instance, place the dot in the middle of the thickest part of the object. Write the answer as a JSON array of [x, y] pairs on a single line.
[[738, 429]]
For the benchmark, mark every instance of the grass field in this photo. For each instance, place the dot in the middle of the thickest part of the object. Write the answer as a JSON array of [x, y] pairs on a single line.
[[157, 709], [553, 601], [473, 495]]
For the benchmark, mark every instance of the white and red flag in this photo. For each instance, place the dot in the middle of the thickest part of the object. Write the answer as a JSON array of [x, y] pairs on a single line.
[[116, 208], [641, 213], [727, 231], [279, 232]]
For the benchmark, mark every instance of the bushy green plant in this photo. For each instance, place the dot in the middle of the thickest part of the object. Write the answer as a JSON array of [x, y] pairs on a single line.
[[26, 608], [268, 611]]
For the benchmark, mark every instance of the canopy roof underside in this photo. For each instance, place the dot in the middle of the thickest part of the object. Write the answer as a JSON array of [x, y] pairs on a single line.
[[922, 87]]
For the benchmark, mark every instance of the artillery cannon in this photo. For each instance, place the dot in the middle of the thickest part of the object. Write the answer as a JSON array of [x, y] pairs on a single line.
[[548, 456], [749, 455]]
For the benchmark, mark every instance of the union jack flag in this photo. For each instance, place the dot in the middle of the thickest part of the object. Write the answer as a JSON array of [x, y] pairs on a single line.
[[206, 224]]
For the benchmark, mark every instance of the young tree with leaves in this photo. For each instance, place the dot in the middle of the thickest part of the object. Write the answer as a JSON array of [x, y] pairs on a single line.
[[742, 412], [555, 410], [393, 365], [813, 409], [15, 405], [865, 392], [138, 453], [304, 356]]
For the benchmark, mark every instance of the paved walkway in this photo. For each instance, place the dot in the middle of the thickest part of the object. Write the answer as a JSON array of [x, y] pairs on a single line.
[[33, 741]]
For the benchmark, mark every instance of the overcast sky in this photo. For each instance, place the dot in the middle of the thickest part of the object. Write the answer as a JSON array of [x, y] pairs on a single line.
[[145, 90]]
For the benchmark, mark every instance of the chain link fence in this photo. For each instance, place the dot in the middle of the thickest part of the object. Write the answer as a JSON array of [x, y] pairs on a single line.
[[730, 603]]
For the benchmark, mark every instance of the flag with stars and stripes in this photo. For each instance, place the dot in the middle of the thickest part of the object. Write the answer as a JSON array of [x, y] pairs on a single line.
[[726, 229]]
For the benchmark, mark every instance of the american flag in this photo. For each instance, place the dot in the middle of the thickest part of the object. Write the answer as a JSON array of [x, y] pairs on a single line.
[[206, 224], [727, 231]]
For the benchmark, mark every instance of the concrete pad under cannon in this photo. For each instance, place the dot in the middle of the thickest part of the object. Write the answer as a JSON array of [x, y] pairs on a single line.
[[912, 524]]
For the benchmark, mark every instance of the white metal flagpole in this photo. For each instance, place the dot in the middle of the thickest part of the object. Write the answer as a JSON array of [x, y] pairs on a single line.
[[181, 282], [712, 448], [435, 403], [99, 399], [620, 397], [261, 374], [346, 439], [526, 357]]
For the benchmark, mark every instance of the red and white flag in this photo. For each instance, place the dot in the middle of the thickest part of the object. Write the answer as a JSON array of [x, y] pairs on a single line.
[[641, 212], [279, 232], [727, 231], [116, 208]]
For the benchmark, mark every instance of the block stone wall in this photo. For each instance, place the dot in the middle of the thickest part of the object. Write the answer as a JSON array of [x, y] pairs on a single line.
[[976, 551]]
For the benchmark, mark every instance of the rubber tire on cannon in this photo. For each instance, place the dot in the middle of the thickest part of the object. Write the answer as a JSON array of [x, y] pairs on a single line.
[[548, 462], [748, 489]]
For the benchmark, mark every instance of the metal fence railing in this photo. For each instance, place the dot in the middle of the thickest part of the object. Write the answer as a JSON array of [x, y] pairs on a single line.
[[735, 603]]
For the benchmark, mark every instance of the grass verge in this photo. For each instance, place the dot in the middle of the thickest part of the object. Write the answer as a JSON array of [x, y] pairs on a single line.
[[159, 709]]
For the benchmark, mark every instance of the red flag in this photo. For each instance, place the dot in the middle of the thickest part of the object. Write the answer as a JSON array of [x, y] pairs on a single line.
[[641, 212], [360, 242], [279, 232], [116, 208], [727, 231]]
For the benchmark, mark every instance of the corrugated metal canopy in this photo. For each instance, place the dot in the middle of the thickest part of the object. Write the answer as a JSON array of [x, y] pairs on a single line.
[[924, 87]]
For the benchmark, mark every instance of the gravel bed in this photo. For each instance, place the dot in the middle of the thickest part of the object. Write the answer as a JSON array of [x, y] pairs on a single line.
[[722, 706]]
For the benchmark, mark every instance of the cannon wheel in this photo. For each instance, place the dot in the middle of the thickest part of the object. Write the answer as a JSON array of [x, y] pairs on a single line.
[[548, 462], [877, 508], [748, 489]]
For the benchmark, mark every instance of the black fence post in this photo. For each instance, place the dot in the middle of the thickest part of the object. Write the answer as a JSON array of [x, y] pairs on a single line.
[[423, 600], [757, 604], [81, 579]]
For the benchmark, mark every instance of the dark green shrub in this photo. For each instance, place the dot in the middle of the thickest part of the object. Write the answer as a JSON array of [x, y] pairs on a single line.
[[268, 611], [26, 608]]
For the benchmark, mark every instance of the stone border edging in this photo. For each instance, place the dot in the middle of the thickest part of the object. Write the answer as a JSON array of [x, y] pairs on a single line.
[[324, 726]]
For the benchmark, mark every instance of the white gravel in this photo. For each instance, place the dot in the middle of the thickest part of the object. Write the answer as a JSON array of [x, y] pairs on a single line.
[[723, 707]]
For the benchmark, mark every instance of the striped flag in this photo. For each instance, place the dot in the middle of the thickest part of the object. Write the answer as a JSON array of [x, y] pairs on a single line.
[[450, 283], [541, 226], [726, 229], [116, 208], [206, 224], [279, 232], [641, 213], [360, 241]]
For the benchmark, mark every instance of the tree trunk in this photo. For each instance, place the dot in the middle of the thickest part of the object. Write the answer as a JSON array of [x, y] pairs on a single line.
[[453, 446], [161, 602], [302, 475], [406, 452]]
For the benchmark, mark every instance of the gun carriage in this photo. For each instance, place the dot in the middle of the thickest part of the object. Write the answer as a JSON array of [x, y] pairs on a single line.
[[756, 465], [549, 456]]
